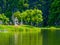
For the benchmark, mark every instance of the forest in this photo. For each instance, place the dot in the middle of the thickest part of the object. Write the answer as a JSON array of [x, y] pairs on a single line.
[[49, 11]]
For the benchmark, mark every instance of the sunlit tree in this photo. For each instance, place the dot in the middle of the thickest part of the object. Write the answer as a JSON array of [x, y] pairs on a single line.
[[4, 19], [33, 16]]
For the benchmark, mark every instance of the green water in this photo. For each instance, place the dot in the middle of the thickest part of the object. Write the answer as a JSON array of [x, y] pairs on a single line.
[[20, 38], [45, 37]]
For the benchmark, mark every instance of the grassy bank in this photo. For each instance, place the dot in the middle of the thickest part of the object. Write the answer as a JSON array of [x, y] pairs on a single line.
[[25, 28], [21, 28]]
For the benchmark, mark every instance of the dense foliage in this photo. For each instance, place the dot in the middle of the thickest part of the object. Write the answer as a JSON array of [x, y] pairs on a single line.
[[30, 17], [4, 19], [54, 16]]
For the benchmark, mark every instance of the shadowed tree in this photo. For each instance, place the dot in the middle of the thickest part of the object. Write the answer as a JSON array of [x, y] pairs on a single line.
[[54, 17]]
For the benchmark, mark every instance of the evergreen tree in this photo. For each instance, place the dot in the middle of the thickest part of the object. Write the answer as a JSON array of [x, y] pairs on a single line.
[[54, 17]]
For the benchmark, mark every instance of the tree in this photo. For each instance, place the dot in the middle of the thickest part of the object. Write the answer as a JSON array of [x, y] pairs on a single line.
[[33, 16], [0, 10], [37, 16], [19, 16], [54, 17], [4, 19], [22, 5]]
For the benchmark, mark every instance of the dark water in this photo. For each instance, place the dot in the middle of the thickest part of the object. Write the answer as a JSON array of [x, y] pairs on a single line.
[[51, 37], [45, 37]]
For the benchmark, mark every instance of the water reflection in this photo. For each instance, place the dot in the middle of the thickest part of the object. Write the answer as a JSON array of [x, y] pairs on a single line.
[[21, 38], [45, 37]]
